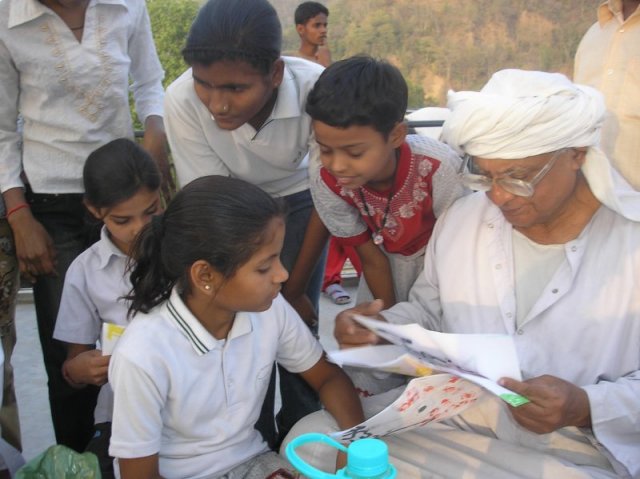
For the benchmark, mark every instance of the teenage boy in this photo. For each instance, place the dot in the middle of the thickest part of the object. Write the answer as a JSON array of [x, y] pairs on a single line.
[[311, 24]]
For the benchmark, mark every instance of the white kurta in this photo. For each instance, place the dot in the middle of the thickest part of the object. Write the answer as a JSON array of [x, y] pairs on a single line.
[[584, 328]]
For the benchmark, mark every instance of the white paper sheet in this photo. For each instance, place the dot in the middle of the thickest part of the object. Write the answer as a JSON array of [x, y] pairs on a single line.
[[481, 358], [426, 399]]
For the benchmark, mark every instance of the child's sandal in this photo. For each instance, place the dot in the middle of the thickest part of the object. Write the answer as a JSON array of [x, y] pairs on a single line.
[[337, 294]]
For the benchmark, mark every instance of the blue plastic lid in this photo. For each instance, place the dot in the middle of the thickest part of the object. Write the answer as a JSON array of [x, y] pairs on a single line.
[[367, 458]]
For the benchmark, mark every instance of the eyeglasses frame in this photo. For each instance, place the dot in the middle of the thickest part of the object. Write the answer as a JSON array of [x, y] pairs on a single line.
[[465, 176]]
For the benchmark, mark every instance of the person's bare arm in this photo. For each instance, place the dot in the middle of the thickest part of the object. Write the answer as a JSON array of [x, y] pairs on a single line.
[[140, 468], [377, 272], [34, 247], [336, 392], [294, 290], [155, 142]]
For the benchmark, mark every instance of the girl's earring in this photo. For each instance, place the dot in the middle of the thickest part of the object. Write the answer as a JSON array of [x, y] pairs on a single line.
[[207, 287]]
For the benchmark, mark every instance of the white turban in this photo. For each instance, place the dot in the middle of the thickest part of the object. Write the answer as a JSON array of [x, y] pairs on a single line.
[[521, 113]]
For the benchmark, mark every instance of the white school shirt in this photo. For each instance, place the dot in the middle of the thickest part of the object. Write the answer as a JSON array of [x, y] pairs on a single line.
[[584, 328], [194, 399], [273, 158], [93, 289], [73, 96]]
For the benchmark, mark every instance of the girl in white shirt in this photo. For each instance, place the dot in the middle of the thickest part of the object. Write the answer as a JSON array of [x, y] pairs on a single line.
[[122, 190], [191, 371]]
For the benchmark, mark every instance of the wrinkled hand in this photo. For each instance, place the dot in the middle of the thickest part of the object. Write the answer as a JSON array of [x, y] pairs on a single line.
[[88, 367], [555, 403], [350, 334], [34, 247]]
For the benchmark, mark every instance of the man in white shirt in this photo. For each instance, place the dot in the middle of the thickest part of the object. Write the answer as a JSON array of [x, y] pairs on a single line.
[[549, 252], [608, 58], [65, 68]]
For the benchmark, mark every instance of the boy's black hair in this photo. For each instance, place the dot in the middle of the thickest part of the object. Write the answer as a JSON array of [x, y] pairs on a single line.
[[116, 171], [359, 91], [235, 30], [307, 10]]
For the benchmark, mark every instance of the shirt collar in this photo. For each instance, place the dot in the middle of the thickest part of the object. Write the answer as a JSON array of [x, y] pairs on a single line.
[[201, 340], [613, 9], [106, 249], [288, 101], [23, 11]]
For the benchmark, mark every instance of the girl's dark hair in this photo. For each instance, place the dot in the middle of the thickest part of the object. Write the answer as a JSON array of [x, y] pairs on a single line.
[[116, 171], [235, 30], [359, 91], [215, 218]]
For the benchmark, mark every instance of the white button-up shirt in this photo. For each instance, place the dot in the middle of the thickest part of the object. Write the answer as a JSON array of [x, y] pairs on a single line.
[[584, 327], [94, 286], [72, 95]]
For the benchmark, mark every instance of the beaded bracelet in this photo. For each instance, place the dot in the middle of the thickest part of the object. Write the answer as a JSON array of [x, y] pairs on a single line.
[[16, 208]]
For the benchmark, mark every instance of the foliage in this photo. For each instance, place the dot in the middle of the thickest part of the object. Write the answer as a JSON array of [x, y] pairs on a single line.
[[170, 23], [437, 44], [453, 44]]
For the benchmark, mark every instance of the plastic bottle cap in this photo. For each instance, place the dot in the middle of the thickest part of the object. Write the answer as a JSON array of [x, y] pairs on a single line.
[[367, 458]]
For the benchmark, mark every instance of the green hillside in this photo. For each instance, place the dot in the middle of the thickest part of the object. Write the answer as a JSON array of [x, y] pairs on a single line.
[[437, 44], [458, 44]]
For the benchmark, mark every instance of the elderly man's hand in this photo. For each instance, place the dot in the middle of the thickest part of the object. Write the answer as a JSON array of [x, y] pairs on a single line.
[[555, 403], [350, 334]]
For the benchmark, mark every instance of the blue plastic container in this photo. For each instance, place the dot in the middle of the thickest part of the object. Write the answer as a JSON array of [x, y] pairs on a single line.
[[366, 458]]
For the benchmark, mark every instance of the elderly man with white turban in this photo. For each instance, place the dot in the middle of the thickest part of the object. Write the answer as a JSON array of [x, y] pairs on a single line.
[[547, 251]]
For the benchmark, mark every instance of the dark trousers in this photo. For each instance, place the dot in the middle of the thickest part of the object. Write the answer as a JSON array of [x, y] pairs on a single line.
[[66, 220], [99, 445], [298, 398]]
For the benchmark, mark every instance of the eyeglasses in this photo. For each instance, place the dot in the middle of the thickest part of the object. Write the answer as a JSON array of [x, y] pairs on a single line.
[[515, 186]]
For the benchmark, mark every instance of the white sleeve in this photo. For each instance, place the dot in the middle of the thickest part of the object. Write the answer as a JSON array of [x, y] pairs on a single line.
[[193, 157], [146, 70], [138, 401], [78, 321], [341, 219], [10, 155], [298, 350], [423, 305], [447, 187], [615, 418]]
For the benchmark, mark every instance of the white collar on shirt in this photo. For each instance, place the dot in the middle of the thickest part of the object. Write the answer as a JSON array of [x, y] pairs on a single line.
[[106, 248], [23, 11], [201, 340]]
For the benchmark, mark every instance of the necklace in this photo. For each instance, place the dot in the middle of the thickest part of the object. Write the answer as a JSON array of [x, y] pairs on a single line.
[[377, 237]]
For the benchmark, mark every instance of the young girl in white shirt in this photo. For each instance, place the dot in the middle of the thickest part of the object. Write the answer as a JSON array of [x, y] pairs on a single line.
[[121, 184], [192, 369]]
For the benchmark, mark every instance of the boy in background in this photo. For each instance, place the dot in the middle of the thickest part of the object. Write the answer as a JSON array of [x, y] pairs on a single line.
[[311, 24]]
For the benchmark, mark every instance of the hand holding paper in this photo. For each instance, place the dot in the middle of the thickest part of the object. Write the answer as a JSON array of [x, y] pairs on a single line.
[[481, 358]]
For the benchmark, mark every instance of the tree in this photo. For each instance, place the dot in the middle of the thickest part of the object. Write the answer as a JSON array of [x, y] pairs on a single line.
[[170, 23]]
